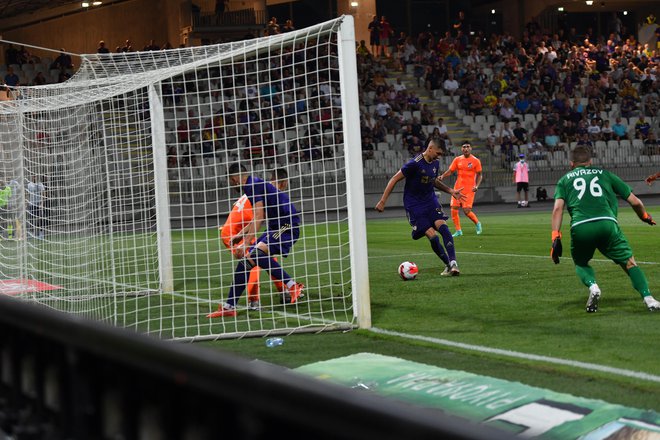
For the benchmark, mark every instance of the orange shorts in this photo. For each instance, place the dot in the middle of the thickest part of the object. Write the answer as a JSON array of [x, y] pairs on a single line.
[[463, 203]]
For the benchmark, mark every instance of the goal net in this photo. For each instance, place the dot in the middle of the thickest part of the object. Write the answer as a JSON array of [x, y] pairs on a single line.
[[120, 184]]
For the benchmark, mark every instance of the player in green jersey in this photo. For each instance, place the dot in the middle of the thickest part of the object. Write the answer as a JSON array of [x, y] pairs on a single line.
[[590, 196]]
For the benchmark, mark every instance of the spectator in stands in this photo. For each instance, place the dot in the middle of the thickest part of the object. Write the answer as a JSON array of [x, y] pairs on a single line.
[[11, 79], [650, 104], [450, 85], [642, 128], [442, 131], [392, 122], [522, 104], [406, 53], [273, 28], [507, 111], [39, 79], [414, 104], [415, 146], [151, 45], [426, 115], [651, 147], [620, 131], [594, 131], [520, 134], [102, 49], [382, 108], [476, 103], [386, 33], [628, 106], [288, 26], [367, 148], [362, 51], [506, 143], [63, 61], [583, 139], [607, 133], [379, 132], [374, 35], [492, 139]]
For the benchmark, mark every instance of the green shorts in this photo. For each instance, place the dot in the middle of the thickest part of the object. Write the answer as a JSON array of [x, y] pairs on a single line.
[[604, 235]]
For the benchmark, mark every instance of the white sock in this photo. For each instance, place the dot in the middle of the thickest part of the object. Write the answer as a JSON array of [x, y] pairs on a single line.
[[594, 288], [649, 300], [290, 284]]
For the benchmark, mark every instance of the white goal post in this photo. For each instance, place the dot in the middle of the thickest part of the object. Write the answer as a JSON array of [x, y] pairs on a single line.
[[120, 184]]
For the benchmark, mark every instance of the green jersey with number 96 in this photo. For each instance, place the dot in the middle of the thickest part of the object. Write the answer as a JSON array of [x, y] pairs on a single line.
[[590, 194]]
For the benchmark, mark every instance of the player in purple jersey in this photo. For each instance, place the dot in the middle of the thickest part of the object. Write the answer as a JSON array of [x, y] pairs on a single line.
[[423, 209], [282, 231]]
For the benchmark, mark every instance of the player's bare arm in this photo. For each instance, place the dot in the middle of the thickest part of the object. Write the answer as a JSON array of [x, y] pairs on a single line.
[[557, 214], [477, 182], [380, 206], [640, 209], [455, 193], [248, 233], [652, 178]]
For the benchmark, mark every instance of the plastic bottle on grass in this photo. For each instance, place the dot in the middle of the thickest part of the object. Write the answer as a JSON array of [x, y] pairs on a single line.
[[274, 342]]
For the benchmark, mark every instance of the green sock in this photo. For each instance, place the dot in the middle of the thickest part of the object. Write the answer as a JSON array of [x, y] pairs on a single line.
[[10, 231], [639, 281], [586, 275]]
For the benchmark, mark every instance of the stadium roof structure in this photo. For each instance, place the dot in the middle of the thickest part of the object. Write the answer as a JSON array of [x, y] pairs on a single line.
[[12, 8], [581, 5]]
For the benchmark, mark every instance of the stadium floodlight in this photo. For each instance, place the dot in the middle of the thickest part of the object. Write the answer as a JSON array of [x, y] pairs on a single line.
[[589, 2], [85, 4], [133, 151]]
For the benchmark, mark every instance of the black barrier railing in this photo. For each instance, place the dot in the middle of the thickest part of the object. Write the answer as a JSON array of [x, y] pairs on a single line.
[[241, 18], [64, 377]]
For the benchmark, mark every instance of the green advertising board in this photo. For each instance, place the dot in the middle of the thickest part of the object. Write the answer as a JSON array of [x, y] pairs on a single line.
[[521, 409]]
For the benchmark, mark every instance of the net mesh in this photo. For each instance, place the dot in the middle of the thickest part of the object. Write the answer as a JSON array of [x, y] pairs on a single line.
[[124, 186]]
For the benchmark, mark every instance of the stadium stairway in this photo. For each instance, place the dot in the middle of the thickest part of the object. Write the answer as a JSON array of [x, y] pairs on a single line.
[[458, 132]]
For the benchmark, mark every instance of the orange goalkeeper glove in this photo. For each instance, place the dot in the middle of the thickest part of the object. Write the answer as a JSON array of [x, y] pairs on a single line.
[[648, 219], [556, 249]]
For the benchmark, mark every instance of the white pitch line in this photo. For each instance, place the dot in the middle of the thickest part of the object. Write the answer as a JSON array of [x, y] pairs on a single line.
[[526, 356], [601, 260]]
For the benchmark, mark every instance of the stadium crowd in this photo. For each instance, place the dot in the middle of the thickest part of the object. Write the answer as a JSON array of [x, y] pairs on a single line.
[[537, 94]]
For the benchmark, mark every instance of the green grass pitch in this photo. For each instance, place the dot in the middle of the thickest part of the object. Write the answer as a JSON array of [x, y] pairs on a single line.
[[509, 296]]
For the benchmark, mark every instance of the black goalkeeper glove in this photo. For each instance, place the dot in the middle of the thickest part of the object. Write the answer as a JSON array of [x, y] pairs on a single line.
[[556, 250], [648, 219]]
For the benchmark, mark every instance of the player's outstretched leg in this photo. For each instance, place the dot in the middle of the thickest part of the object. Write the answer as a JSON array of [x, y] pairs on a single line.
[[235, 291], [253, 289], [641, 285], [457, 222], [448, 239], [588, 278], [265, 261]]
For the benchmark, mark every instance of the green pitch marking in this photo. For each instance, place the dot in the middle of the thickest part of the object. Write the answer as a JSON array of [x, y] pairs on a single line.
[[511, 406]]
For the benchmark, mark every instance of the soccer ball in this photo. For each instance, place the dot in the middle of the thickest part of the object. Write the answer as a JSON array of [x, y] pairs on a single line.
[[408, 271]]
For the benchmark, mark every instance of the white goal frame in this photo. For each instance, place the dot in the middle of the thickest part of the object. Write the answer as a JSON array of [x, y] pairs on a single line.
[[120, 219]]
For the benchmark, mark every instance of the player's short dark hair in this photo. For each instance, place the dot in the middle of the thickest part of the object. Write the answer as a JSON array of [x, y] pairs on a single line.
[[236, 168], [280, 174], [581, 154], [437, 140], [466, 143]]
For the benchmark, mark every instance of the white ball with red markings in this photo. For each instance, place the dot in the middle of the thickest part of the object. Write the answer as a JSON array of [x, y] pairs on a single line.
[[408, 271]]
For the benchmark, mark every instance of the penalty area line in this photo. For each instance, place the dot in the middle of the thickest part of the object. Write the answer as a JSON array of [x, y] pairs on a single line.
[[526, 356]]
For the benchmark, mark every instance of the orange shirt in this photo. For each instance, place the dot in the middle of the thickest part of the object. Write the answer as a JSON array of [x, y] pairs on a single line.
[[466, 169], [241, 214]]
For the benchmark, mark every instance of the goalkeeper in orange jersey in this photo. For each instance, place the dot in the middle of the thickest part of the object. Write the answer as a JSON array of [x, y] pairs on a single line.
[[468, 175], [240, 215]]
